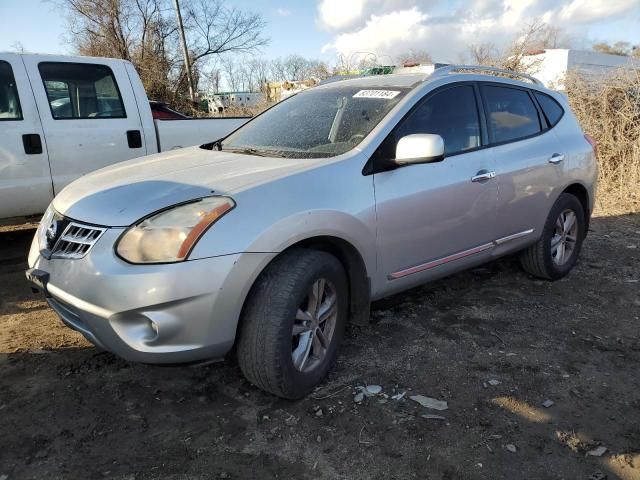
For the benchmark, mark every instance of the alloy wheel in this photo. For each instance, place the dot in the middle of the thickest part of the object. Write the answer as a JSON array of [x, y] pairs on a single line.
[[565, 236], [314, 326]]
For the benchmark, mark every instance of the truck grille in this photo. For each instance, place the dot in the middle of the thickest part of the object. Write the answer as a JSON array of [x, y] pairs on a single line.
[[76, 241]]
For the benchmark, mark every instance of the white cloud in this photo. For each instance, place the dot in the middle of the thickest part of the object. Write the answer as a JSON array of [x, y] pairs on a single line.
[[593, 10], [337, 14], [283, 12], [445, 28], [384, 33]]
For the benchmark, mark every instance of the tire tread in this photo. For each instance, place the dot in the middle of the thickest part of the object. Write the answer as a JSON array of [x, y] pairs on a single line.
[[258, 351]]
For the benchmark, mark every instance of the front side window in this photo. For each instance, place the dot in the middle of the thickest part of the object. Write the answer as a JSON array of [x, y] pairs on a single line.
[[450, 113], [9, 101], [81, 90], [316, 123], [511, 113]]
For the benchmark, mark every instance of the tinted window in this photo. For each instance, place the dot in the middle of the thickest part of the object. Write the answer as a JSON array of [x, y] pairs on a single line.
[[81, 90], [9, 101], [551, 109], [512, 114], [450, 113]]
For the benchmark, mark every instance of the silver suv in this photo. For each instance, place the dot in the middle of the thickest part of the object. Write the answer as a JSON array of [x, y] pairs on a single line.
[[273, 238]]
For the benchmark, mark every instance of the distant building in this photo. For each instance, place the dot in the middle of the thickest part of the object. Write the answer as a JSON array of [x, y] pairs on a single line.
[[277, 91], [218, 102], [551, 65]]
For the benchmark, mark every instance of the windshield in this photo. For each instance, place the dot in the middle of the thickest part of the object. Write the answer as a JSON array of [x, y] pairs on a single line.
[[320, 122]]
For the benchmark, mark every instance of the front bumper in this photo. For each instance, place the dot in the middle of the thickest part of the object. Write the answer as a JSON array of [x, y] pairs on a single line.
[[170, 313]]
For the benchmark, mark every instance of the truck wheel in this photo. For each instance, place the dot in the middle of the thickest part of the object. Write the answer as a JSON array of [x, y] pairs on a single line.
[[555, 254], [293, 323]]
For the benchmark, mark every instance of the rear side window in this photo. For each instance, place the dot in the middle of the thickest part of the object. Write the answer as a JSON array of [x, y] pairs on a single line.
[[9, 101], [511, 112], [551, 109], [450, 113], [81, 90]]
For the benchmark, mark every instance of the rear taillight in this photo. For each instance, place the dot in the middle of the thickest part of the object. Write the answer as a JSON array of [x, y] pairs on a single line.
[[593, 143]]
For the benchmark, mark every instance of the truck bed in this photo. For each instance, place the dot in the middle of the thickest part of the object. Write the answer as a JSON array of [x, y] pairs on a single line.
[[172, 134]]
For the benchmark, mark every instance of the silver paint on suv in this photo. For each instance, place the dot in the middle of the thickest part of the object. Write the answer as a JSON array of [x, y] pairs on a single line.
[[275, 236]]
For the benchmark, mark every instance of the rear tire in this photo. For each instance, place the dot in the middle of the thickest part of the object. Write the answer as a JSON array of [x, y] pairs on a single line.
[[554, 255], [284, 346]]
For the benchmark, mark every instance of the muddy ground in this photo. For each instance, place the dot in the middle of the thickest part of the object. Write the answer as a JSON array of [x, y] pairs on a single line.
[[68, 410]]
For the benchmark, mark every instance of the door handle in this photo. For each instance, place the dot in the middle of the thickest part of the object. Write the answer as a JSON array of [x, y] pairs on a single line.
[[134, 139], [556, 158], [32, 143], [483, 176]]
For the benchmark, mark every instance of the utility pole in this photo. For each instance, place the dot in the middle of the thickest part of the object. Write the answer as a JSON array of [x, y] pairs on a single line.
[[185, 52]]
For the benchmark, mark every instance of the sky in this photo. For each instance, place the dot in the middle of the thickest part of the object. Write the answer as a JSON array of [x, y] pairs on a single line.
[[322, 29]]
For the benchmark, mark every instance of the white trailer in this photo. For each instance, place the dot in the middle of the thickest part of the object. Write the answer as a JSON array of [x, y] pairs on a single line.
[[551, 66]]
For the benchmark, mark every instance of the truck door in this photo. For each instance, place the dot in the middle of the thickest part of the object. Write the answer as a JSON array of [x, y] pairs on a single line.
[[89, 114], [25, 178]]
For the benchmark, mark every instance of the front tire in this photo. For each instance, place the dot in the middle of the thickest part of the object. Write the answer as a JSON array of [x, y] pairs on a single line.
[[293, 323], [554, 255]]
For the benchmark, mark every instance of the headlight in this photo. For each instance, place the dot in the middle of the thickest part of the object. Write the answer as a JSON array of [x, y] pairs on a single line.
[[169, 236], [41, 233]]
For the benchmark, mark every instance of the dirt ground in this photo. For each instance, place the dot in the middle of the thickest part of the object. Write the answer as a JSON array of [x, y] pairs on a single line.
[[68, 410]]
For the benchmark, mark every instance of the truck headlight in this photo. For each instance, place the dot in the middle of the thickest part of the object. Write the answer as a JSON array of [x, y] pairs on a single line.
[[170, 235]]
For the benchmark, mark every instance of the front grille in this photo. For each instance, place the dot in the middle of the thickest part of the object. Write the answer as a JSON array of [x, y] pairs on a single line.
[[76, 241]]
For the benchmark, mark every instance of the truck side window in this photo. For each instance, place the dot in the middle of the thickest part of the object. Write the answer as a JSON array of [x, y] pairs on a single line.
[[81, 90], [9, 101], [451, 113]]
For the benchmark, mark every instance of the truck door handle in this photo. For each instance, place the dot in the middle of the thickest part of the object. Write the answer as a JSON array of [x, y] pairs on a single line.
[[483, 176], [32, 143], [134, 139], [556, 158]]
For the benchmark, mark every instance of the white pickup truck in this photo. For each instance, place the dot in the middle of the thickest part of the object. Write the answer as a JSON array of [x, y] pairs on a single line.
[[62, 117]]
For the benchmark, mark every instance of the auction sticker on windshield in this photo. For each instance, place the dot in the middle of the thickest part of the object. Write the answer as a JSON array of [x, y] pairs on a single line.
[[376, 94]]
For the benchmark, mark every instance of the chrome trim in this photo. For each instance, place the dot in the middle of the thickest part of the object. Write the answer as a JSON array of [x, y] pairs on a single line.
[[457, 256], [76, 241], [515, 236], [440, 261], [556, 158], [480, 177]]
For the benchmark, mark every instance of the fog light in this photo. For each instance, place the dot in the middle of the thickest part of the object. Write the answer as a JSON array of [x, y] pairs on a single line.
[[154, 326]]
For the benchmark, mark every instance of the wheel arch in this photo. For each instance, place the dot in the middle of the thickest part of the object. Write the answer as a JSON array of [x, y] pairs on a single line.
[[582, 194], [353, 263], [354, 266]]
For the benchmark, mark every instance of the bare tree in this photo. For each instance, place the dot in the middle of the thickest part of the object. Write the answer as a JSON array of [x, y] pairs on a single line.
[[418, 56], [232, 75], [534, 38], [483, 53], [145, 32], [318, 69], [18, 47], [617, 48], [214, 29]]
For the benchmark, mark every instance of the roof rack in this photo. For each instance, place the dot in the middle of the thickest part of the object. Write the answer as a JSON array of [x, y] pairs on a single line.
[[498, 72]]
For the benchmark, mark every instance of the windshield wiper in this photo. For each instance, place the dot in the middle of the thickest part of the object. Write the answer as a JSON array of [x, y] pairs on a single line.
[[254, 151]]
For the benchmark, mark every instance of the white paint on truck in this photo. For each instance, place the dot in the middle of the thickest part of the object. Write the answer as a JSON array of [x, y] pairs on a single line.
[[62, 117]]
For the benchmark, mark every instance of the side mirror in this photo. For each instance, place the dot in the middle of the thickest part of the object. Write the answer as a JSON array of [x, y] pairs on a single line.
[[419, 148]]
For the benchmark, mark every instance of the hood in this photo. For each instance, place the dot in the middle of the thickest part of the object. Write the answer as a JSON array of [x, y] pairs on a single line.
[[121, 194]]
